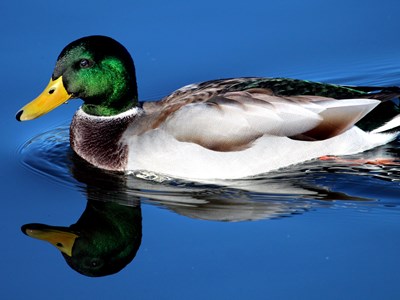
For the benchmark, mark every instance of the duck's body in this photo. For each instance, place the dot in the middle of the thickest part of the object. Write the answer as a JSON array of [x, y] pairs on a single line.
[[229, 128]]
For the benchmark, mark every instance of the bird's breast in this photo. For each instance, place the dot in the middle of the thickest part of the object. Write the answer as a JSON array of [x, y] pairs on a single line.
[[98, 139]]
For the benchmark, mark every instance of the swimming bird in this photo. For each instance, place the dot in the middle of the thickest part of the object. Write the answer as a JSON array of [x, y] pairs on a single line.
[[218, 129]]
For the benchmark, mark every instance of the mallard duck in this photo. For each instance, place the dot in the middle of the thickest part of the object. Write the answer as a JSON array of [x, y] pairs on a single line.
[[225, 129]]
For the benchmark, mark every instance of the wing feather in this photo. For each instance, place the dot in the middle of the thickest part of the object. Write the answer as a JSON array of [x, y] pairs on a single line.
[[232, 121]]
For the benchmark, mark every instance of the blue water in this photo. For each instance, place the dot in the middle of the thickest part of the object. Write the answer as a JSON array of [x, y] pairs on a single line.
[[321, 230]]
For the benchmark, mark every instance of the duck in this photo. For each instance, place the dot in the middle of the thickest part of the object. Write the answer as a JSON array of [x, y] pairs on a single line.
[[218, 129]]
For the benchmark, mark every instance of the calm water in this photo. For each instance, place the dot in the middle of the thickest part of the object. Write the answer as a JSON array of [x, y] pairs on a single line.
[[320, 230]]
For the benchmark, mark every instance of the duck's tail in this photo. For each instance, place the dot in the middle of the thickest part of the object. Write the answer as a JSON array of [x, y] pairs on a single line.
[[391, 112], [389, 109], [392, 125]]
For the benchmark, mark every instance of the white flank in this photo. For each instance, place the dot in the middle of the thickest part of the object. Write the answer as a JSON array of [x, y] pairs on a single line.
[[170, 150], [160, 152]]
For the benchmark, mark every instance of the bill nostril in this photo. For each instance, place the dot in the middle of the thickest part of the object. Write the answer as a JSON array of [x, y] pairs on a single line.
[[18, 115], [51, 91]]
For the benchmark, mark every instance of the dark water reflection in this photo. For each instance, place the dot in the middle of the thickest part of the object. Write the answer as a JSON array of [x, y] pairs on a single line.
[[102, 242], [108, 233]]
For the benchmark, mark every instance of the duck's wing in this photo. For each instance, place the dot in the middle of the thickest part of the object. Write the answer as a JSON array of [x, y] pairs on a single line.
[[233, 120], [272, 86]]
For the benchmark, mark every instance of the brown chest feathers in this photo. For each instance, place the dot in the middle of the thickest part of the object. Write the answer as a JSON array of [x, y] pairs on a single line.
[[98, 139]]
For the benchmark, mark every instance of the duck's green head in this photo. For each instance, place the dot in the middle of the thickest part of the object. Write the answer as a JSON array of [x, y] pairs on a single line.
[[96, 69]]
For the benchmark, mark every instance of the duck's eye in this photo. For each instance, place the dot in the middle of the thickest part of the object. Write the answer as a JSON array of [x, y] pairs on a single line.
[[94, 263], [85, 63]]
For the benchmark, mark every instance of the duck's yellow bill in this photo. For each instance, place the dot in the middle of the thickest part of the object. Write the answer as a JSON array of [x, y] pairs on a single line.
[[53, 95], [63, 240]]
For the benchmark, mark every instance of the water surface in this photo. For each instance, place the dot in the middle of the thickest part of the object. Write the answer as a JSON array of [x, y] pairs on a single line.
[[319, 230]]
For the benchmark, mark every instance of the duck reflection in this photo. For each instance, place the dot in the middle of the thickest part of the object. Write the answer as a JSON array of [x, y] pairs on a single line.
[[102, 242], [108, 234]]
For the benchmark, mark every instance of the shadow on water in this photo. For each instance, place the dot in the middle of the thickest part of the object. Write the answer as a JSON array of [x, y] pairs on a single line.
[[108, 234]]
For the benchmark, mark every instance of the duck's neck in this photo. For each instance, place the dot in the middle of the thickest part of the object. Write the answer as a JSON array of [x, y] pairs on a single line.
[[105, 111], [113, 106], [98, 139]]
